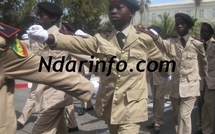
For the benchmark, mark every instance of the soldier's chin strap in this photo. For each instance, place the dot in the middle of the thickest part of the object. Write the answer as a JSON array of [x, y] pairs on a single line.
[[150, 32]]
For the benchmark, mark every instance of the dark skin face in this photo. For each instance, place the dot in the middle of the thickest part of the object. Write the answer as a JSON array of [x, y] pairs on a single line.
[[44, 19], [119, 15], [205, 33], [181, 27]]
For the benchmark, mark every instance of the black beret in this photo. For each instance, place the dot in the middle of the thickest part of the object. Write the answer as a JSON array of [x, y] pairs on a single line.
[[209, 26], [131, 4], [50, 8], [186, 18], [156, 28], [7, 31], [69, 27]]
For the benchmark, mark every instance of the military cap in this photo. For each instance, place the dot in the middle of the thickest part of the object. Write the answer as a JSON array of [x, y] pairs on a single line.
[[186, 18], [69, 27], [7, 31], [209, 26], [50, 8], [156, 28], [131, 4]]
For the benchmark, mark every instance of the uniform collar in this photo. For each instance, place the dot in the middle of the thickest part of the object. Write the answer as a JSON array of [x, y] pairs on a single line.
[[125, 31], [186, 37]]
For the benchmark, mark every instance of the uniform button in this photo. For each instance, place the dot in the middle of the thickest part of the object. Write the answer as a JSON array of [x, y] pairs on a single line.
[[181, 67], [117, 88], [183, 59], [123, 52], [121, 64], [124, 94], [180, 75], [105, 52], [119, 76], [138, 56]]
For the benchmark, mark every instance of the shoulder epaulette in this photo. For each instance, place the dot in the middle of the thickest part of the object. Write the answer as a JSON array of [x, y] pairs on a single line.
[[201, 40], [213, 40], [102, 31], [146, 31]]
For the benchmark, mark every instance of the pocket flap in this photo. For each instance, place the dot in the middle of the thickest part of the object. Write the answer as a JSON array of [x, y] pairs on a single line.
[[134, 95]]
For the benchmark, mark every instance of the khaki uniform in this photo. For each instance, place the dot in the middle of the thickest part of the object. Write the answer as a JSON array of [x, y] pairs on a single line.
[[85, 72], [208, 90], [13, 66], [190, 65], [120, 94], [52, 98], [160, 87]]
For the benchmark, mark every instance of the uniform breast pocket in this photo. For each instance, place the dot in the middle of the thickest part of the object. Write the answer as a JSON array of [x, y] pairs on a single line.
[[106, 54], [137, 60], [190, 60]]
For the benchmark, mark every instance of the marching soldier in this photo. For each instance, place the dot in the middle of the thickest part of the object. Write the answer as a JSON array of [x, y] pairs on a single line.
[[55, 102], [159, 87], [122, 96], [206, 99], [17, 62], [191, 64]]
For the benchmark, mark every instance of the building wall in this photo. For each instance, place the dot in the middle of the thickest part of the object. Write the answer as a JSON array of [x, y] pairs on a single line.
[[206, 12]]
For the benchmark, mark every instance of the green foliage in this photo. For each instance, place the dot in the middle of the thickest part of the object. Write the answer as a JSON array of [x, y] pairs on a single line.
[[195, 30], [83, 14], [166, 24], [106, 25], [18, 13]]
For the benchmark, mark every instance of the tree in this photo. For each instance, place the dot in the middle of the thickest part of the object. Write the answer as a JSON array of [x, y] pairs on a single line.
[[144, 4], [197, 4], [166, 24], [18, 13], [83, 14]]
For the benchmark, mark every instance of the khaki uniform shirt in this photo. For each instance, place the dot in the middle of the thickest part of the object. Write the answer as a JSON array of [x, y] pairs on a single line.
[[190, 64], [210, 54], [122, 95]]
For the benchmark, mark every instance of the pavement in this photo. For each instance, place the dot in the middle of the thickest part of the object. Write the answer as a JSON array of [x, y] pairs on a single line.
[[90, 123]]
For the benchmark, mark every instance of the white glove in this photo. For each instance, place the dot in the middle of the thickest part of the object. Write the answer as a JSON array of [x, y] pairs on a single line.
[[82, 34], [153, 31], [37, 33], [169, 78]]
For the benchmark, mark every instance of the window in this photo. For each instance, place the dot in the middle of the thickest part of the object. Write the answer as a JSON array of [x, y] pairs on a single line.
[[153, 16], [188, 12], [201, 13], [143, 17], [213, 12]]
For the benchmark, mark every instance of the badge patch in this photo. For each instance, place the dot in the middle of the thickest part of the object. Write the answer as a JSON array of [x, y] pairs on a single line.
[[19, 49]]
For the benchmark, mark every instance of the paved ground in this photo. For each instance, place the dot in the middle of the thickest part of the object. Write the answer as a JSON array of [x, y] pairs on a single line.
[[91, 124]]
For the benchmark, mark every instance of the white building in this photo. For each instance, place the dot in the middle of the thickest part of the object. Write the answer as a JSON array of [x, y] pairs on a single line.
[[206, 12]]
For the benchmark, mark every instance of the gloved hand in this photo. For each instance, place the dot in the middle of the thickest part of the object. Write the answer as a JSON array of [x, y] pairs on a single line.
[[169, 78], [37, 33], [81, 33], [150, 32]]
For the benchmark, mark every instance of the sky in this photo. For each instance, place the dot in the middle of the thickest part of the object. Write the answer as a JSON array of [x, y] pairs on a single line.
[[167, 1]]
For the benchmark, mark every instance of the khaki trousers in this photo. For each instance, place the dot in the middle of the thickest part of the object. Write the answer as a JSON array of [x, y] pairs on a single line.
[[182, 109], [7, 112], [13, 66], [50, 121], [124, 128], [87, 104], [208, 111], [70, 116], [30, 104]]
